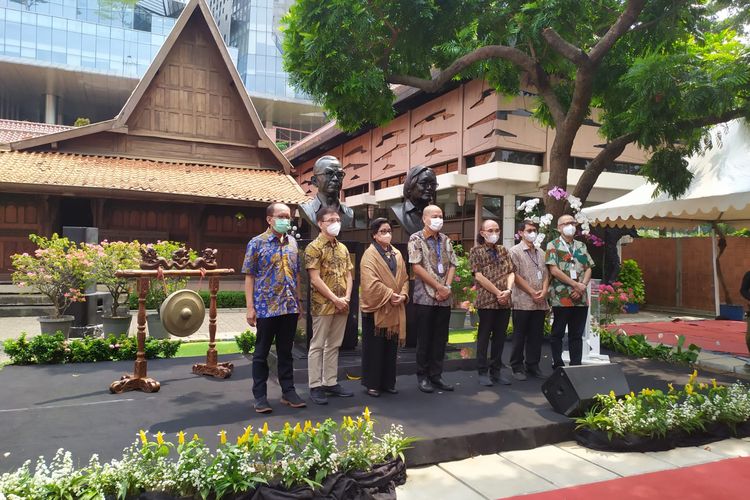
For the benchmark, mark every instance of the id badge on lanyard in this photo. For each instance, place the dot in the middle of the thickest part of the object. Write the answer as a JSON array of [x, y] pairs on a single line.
[[573, 272], [440, 268]]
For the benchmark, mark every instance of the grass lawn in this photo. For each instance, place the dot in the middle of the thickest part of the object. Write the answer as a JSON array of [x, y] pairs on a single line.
[[461, 336], [189, 349]]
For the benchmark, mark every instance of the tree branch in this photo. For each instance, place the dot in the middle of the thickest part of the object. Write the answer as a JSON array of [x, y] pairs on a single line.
[[564, 48], [536, 73], [621, 26]]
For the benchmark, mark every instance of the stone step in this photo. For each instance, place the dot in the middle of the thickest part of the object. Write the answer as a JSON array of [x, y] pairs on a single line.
[[16, 311], [23, 299]]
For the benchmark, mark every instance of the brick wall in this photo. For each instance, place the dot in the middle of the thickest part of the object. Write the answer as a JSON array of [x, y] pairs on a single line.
[[691, 287]]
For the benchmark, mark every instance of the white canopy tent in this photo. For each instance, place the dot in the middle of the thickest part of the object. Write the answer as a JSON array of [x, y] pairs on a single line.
[[719, 192]]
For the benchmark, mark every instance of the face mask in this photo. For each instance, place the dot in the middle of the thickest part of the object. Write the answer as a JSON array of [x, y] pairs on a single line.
[[530, 237], [492, 238], [436, 224], [281, 225], [334, 229], [569, 230], [386, 238]]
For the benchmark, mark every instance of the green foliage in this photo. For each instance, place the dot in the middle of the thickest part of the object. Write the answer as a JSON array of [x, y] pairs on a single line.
[[80, 122], [110, 257], [631, 277], [58, 269], [159, 289], [463, 288], [246, 341], [53, 349], [224, 299], [676, 71], [638, 346], [742, 232]]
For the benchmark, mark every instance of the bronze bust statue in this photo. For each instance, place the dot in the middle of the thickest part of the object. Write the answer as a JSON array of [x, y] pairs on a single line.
[[328, 177], [420, 190]]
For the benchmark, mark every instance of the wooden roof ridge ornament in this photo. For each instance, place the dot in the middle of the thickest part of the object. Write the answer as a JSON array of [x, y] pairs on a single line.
[[154, 267]]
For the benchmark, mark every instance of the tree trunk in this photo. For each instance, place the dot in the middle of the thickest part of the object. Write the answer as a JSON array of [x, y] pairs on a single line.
[[559, 163], [719, 273]]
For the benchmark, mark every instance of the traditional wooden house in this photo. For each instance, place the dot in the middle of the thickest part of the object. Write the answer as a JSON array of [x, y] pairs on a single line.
[[186, 159]]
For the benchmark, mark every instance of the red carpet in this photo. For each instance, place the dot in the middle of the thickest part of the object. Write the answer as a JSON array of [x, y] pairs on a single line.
[[710, 335], [724, 480]]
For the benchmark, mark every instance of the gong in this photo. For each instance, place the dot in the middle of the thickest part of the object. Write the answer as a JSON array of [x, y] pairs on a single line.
[[182, 313]]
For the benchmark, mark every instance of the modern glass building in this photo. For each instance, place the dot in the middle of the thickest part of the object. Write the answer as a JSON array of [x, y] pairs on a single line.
[[63, 59]]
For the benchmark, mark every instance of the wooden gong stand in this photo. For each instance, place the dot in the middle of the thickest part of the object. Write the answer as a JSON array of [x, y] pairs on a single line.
[[139, 381]]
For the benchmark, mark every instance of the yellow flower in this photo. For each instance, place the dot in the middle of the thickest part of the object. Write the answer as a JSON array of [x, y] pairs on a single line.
[[713, 382], [265, 428], [241, 440], [367, 414], [693, 376], [612, 394], [256, 439], [223, 436], [181, 437], [160, 438], [703, 386], [144, 438], [671, 387], [297, 430], [689, 388], [308, 426], [196, 437]]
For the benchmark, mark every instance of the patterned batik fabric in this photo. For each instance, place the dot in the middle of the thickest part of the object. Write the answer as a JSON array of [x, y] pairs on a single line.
[[494, 263], [332, 259], [567, 257], [528, 264], [424, 251], [274, 262]]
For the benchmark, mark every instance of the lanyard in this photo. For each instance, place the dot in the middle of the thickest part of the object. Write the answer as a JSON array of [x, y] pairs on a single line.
[[535, 259], [440, 268]]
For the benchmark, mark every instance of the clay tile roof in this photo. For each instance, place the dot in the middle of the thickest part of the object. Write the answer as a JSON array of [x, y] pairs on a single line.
[[81, 172], [14, 130]]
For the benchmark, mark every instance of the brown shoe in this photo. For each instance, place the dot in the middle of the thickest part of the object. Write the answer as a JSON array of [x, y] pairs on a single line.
[[262, 406], [292, 399]]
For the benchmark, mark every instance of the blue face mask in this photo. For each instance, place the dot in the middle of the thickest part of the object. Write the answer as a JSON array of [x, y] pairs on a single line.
[[281, 225]]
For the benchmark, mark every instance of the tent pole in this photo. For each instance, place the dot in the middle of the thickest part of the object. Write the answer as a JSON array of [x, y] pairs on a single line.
[[716, 275]]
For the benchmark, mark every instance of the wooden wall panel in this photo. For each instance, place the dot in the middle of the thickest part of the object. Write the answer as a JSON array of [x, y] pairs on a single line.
[[435, 126], [390, 148], [193, 94], [356, 159], [19, 217]]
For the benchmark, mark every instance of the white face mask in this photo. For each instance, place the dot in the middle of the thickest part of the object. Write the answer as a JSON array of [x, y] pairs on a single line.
[[436, 224], [530, 237], [492, 238], [333, 229], [386, 238], [569, 230]]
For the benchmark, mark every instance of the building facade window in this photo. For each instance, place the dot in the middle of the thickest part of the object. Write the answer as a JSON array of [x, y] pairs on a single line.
[[615, 167], [508, 155]]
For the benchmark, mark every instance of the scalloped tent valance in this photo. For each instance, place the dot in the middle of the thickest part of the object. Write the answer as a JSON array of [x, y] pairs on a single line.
[[720, 190]]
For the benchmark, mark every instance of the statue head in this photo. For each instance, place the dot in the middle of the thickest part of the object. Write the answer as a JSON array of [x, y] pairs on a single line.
[[420, 186], [328, 176]]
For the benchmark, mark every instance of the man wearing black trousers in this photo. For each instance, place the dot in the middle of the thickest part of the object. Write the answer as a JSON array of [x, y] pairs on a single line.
[[272, 294], [529, 302], [434, 263]]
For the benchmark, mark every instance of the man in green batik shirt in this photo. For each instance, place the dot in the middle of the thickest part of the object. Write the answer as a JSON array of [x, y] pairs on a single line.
[[570, 265]]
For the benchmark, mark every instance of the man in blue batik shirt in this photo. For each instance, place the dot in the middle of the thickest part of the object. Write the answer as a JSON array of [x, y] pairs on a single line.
[[272, 293]]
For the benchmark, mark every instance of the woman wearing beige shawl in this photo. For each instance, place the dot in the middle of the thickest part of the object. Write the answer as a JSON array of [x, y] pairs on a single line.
[[385, 288]]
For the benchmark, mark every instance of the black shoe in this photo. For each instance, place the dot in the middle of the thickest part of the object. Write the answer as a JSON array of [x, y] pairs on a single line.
[[439, 383], [392, 390], [337, 390], [536, 373], [373, 392], [261, 406], [499, 378], [519, 375], [318, 396], [484, 379], [292, 399], [425, 386]]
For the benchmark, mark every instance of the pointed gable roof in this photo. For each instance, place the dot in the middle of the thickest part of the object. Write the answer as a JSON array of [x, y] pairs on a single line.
[[218, 111]]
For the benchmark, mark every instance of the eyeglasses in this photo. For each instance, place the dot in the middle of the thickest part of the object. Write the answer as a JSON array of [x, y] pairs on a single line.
[[492, 231], [330, 221], [385, 231], [339, 174]]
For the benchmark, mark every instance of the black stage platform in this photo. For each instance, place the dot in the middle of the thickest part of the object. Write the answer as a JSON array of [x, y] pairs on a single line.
[[43, 408]]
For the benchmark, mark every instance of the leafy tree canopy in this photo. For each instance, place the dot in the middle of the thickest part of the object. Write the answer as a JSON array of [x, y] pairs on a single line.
[[660, 72]]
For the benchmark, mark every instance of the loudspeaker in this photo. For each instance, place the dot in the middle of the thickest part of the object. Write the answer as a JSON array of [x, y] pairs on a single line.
[[571, 389]]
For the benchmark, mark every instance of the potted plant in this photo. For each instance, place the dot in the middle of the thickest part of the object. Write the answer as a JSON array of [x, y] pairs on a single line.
[[58, 269], [463, 290], [612, 300], [107, 259], [159, 289], [631, 278]]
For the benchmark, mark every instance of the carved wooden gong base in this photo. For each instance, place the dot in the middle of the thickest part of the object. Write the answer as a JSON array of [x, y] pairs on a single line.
[[219, 370], [132, 383]]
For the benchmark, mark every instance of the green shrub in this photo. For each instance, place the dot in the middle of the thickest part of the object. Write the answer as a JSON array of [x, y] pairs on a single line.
[[246, 341], [51, 349], [638, 346], [224, 299], [631, 277]]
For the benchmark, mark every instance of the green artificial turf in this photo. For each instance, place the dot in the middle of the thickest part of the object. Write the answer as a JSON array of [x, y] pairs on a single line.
[[461, 336], [189, 349]]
